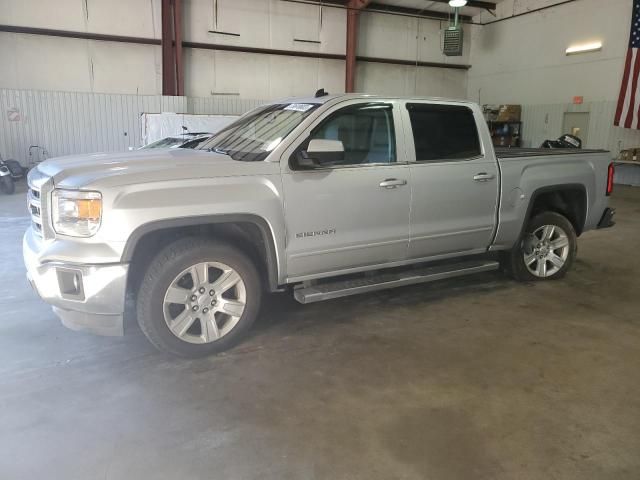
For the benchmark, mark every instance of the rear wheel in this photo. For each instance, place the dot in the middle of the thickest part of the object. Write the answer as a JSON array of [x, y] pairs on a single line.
[[198, 297], [546, 250], [7, 185]]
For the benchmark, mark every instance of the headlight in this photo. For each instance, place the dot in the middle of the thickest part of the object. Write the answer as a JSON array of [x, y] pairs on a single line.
[[76, 213]]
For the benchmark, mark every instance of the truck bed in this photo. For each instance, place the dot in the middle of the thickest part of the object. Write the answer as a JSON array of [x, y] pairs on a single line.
[[505, 152]]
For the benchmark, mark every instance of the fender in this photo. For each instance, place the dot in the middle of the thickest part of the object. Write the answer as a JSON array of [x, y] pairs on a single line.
[[552, 188], [271, 257]]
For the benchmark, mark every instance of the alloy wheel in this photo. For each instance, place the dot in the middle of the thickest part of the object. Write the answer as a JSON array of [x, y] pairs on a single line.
[[204, 302], [546, 251]]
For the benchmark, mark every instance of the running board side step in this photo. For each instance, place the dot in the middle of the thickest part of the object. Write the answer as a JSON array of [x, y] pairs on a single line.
[[327, 291]]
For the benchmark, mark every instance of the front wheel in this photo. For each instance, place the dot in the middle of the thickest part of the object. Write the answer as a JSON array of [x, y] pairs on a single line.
[[546, 250], [7, 185], [198, 297]]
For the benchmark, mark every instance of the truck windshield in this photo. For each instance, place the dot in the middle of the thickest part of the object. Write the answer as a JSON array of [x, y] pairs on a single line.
[[254, 135]]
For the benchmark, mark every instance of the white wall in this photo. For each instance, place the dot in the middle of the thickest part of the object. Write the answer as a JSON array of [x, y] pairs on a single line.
[[407, 38], [53, 63], [522, 60], [49, 63], [77, 96], [519, 60], [269, 24]]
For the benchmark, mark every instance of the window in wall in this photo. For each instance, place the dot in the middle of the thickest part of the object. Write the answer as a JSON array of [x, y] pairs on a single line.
[[443, 132]]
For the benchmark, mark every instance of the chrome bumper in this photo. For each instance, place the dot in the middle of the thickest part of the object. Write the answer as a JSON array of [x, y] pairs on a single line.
[[85, 297]]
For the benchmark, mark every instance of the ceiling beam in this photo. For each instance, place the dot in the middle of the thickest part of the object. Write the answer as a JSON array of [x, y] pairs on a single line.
[[474, 3], [375, 7], [413, 12]]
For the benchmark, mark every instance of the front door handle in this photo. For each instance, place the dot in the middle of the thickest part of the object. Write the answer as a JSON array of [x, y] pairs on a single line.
[[392, 183], [483, 177]]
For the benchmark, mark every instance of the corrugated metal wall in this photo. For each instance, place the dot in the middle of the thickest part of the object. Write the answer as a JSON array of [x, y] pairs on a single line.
[[541, 122], [66, 123]]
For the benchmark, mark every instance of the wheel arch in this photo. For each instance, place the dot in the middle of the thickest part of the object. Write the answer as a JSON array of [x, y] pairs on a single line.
[[569, 200], [250, 232]]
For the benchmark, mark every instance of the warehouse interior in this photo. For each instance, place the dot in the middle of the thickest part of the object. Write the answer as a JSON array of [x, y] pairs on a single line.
[[479, 377]]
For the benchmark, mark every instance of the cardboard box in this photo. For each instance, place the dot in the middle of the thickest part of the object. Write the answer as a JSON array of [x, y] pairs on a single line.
[[630, 155], [509, 113]]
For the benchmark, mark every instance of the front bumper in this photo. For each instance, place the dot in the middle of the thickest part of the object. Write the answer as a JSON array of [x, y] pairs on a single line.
[[85, 297]]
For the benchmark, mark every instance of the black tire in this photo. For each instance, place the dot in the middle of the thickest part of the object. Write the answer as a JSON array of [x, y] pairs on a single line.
[[7, 185], [17, 170], [514, 260], [162, 271]]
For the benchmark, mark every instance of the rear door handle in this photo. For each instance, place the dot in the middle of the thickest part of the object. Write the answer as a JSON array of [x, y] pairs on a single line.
[[483, 177], [392, 183]]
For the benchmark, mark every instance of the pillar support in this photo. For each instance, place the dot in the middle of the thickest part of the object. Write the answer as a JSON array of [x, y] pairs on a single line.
[[171, 42], [353, 12]]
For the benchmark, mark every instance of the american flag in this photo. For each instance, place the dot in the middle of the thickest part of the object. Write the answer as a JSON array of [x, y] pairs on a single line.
[[628, 111]]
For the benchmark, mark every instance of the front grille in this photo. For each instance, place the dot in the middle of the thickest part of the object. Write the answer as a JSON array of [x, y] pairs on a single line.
[[35, 209], [39, 186]]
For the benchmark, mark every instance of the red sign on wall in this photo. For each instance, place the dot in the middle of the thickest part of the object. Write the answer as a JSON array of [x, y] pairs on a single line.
[[578, 100]]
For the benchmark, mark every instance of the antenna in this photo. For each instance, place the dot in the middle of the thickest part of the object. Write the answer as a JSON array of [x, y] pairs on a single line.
[[320, 93]]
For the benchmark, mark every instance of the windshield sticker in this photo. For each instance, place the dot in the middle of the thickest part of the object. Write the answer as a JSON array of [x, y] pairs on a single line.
[[299, 107]]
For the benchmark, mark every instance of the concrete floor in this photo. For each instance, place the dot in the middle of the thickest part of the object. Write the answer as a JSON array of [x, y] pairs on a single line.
[[476, 379]]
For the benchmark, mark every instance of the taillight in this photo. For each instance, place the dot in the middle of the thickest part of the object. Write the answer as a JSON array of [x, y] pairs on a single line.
[[610, 172]]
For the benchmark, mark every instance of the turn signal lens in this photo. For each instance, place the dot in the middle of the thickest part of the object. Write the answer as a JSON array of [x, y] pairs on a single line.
[[89, 209]]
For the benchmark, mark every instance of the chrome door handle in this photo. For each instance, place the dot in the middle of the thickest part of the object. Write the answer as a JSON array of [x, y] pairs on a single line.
[[483, 177], [392, 183]]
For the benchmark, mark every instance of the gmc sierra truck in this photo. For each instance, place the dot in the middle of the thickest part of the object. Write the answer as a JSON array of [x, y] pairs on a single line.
[[324, 197]]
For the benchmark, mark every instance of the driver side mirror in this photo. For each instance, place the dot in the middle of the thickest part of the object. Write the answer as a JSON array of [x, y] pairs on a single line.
[[321, 153]]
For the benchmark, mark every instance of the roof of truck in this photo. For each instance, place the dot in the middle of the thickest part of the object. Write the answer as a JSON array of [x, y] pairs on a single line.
[[346, 96]]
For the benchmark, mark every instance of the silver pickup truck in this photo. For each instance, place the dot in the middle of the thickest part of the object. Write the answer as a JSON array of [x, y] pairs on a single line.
[[324, 197]]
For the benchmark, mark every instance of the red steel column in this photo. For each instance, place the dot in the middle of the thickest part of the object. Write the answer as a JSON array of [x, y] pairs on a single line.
[[353, 12], [168, 52], [177, 29]]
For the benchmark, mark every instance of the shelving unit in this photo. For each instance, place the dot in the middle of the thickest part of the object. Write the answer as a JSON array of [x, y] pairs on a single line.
[[505, 134]]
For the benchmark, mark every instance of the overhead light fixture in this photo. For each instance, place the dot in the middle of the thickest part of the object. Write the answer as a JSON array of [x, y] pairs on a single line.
[[457, 3], [584, 48]]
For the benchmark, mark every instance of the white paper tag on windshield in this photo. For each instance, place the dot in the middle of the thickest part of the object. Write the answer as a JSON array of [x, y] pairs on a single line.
[[299, 107]]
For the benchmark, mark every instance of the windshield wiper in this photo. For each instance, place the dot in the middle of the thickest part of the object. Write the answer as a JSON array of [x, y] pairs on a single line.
[[219, 150]]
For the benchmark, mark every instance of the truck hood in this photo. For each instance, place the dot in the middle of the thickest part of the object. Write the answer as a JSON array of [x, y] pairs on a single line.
[[141, 166]]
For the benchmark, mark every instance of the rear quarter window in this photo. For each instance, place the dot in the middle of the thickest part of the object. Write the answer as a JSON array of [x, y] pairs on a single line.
[[443, 132]]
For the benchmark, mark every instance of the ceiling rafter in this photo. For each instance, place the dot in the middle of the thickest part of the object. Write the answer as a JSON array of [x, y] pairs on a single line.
[[474, 3], [376, 7]]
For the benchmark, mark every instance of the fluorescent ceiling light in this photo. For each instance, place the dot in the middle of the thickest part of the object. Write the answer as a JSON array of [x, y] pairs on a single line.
[[457, 3], [586, 47]]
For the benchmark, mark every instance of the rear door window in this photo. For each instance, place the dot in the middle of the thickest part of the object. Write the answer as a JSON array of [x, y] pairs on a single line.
[[443, 132]]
